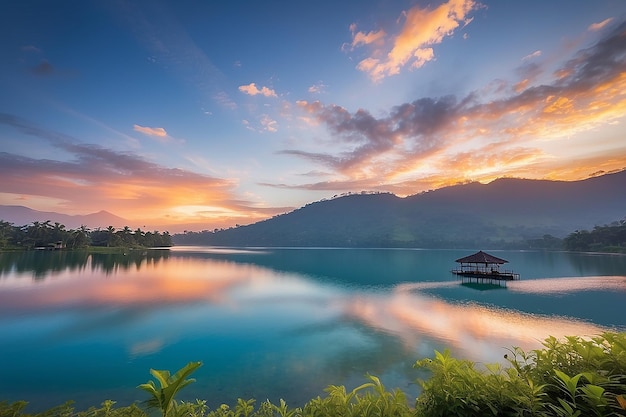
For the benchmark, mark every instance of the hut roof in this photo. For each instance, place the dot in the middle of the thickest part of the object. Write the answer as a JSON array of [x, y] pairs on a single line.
[[481, 257]]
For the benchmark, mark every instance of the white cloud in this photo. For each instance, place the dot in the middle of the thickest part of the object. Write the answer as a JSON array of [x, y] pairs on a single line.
[[252, 90], [317, 88], [600, 25], [269, 124], [535, 54]]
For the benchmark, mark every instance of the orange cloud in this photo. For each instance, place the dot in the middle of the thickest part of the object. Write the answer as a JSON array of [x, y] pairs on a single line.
[[528, 131], [151, 131], [522, 85], [92, 178], [252, 90], [157, 133], [422, 29], [362, 38]]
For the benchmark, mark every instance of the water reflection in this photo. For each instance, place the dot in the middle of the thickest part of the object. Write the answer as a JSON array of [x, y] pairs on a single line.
[[480, 332], [293, 321], [149, 282], [569, 285], [407, 312], [44, 264]]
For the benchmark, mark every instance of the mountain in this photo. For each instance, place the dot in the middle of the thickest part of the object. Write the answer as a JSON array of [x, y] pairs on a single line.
[[504, 212], [21, 216]]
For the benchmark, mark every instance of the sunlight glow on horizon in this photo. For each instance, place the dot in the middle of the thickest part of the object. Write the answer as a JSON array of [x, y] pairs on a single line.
[[399, 98]]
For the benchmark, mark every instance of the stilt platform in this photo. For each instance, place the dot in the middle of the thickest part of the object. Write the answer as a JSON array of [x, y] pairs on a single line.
[[482, 268]]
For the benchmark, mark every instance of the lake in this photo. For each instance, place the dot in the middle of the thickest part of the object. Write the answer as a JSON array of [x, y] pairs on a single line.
[[273, 323]]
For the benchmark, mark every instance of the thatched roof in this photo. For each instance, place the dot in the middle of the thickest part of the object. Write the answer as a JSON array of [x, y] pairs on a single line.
[[481, 258]]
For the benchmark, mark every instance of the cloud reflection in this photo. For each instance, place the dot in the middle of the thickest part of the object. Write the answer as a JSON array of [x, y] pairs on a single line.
[[568, 285], [175, 281], [407, 312], [480, 332], [146, 347]]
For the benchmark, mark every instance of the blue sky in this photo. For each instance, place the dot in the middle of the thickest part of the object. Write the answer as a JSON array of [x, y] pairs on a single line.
[[196, 115]]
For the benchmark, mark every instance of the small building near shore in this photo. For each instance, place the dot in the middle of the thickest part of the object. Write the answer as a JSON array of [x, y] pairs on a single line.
[[481, 267]]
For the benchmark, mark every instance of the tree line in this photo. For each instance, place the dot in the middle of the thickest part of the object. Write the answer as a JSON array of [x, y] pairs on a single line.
[[607, 238], [55, 236]]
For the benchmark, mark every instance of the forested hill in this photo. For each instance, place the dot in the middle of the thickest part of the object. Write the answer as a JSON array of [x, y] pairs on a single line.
[[497, 214]]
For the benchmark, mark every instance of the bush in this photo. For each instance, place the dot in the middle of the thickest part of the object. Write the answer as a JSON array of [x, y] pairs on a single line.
[[573, 377], [570, 377]]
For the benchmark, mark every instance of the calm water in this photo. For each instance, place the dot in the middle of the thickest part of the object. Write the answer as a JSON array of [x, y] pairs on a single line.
[[276, 323]]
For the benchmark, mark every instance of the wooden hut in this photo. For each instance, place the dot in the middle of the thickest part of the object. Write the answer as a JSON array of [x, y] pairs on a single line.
[[483, 267]]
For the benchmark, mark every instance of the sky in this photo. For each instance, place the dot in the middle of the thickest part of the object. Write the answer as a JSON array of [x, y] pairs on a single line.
[[195, 115]]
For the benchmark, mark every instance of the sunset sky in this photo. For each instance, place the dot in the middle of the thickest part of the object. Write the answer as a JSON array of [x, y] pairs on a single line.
[[205, 114]]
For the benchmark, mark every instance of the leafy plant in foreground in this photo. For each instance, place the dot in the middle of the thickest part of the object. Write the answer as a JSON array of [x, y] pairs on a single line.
[[457, 387], [580, 376], [106, 409], [163, 397], [570, 377], [567, 378]]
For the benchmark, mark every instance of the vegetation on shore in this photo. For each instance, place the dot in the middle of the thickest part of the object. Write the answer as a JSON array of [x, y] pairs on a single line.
[[571, 377], [607, 238], [610, 238], [45, 235]]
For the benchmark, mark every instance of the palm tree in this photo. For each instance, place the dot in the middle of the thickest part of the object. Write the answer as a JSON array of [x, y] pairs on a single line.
[[35, 234], [111, 231], [125, 235], [139, 237], [5, 233], [80, 237], [59, 233]]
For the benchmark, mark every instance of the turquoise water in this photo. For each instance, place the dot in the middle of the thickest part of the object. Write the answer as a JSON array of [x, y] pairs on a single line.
[[276, 323]]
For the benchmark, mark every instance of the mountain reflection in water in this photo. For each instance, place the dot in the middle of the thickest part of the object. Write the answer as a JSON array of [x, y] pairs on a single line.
[[294, 321]]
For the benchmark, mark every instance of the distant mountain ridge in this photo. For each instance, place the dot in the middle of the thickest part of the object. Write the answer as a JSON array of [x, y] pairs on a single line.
[[21, 216], [502, 212]]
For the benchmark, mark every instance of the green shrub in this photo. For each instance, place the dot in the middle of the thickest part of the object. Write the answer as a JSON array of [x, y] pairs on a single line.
[[587, 376], [570, 377], [106, 409], [457, 387]]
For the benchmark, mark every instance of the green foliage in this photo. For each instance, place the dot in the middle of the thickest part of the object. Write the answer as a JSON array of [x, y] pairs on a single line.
[[607, 238], [570, 377], [47, 235], [162, 397], [457, 387], [369, 399], [581, 376], [547, 242], [106, 409], [13, 409]]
